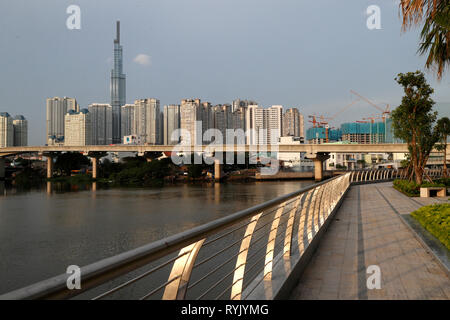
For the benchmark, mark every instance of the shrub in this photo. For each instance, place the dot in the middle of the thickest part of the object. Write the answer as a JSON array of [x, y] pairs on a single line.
[[436, 219], [444, 181], [411, 189]]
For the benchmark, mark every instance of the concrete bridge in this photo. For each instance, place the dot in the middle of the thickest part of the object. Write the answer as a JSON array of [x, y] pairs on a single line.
[[314, 243], [318, 153]]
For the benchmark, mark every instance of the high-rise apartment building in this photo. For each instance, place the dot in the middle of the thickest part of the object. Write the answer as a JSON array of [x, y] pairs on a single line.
[[56, 110], [20, 128], [190, 114], [222, 118], [263, 126], [117, 88], [101, 122], [238, 116], [171, 122], [127, 118], [292, 123], [6, 130], [242, 104], [78, 128], [302, 126], [275, 124], [146, 122]]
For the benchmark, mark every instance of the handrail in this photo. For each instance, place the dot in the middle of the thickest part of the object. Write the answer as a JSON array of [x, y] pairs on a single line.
[[303, 213]]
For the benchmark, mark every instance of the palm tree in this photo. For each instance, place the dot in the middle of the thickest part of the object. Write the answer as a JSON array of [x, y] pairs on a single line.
[[435, 35]]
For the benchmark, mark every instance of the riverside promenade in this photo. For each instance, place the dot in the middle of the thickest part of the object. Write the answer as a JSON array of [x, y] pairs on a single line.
[[368, 230]]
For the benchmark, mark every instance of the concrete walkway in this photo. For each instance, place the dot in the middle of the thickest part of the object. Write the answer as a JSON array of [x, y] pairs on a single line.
[[367, 230]]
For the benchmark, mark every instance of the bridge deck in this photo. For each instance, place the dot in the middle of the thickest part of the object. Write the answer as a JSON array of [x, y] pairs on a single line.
[[367, 230]]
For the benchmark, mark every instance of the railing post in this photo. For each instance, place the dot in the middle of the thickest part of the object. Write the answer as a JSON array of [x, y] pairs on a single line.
[[311, 214], [303, 219], [181, 272], [239, 270], [268, 264], [289, 229], [317, 209]]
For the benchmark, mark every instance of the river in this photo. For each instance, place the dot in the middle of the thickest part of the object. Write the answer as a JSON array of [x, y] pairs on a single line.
[[42, 231]]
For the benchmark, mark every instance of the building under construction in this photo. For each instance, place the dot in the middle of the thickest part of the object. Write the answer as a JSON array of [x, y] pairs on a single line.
[[364, 133], [322, 135], [354, 132]]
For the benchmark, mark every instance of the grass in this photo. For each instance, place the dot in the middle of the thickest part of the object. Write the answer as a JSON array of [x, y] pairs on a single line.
[[435, 219]]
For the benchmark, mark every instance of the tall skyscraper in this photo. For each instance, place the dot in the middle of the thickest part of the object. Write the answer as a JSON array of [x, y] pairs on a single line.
[[117, 88], [20, 127], [56, 111], [101, 121], [78, 128], [6, 130], [171, 122]]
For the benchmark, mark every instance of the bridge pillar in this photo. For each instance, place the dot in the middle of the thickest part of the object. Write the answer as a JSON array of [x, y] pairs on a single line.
[[318, 159], [2, 169], [95, 156], [50, 156], [217, 170]]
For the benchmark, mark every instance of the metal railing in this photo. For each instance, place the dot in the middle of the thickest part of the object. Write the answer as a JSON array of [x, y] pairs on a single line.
[[377, 175], [235, 257]]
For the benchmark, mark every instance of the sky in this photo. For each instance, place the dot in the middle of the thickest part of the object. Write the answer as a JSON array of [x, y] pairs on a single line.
[[295, 53]]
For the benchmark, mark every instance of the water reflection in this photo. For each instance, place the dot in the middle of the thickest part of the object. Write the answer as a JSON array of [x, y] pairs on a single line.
[[49, 187], [40, 235]]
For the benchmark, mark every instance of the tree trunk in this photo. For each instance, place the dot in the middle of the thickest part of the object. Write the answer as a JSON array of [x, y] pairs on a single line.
[[445, 159], [419, 174]]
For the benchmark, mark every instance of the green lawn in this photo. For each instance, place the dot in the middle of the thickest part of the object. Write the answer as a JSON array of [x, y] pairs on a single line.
[[436, 219]]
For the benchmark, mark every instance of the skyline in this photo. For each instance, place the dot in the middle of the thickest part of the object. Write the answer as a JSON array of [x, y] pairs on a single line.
[[266, 68]]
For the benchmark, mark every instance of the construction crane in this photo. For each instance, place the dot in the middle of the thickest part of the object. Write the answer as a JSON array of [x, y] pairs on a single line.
[[320, 121], [317, 124], [343, 109], [314, 122], [384, 112], [372, 119]]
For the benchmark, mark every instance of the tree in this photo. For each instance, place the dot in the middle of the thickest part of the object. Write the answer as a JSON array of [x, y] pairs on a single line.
[[413, 121], [435, 35], [443, 129], [66, 162]]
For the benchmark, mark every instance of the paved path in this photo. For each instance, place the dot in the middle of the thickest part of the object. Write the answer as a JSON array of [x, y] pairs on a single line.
[[368, 231]]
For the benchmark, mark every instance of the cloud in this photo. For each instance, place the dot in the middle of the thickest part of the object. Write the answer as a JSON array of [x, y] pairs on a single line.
[[143, 59]]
